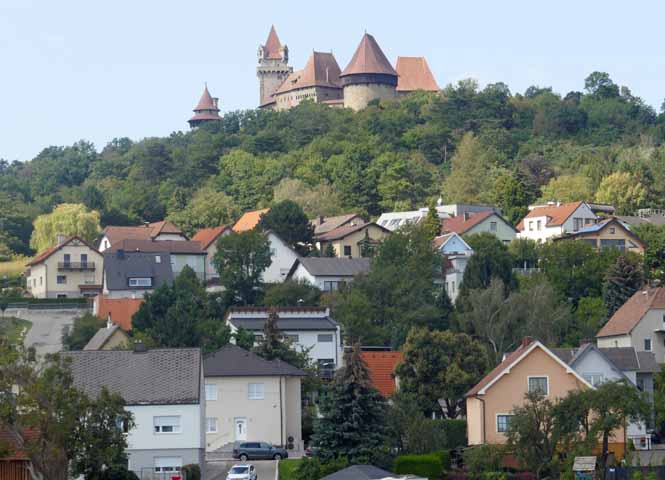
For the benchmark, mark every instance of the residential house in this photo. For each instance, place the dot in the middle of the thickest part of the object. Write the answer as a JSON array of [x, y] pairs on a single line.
[[394, 220], [456, 253], [164, 391], [180, 253], [15, 464], [488, 221], [381, 366], [638, 323], [554, 219], [608, 233], [461, 209], [117, 310], [352, 241], [249, 220], [326, 273], [110, 337], [208, 237], [655, 216], [311, 329], [251, 398], [157, 231], [133, 274], [323, 224], [71, 268]]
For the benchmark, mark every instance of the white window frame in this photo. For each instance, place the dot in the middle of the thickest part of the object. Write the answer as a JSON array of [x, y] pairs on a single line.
[[211, 425], [140, 282], [211, 392], [589, 377], [547, 383], [325, 335], [256, 391], [158, 426], [168, 464], [496, 421], [294, 337], [650, 349], [493, 226]]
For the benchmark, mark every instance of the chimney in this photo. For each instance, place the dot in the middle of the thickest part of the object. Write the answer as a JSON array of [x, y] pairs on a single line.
[[60, 238], [109, 322], [146, 224], [466, 216], [321, 219], [140, 347]]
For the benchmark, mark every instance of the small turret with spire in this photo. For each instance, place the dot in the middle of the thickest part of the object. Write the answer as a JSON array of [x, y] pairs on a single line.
[[207, 110], [273, 67]]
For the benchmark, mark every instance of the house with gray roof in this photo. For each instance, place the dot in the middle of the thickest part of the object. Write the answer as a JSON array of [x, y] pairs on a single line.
[[249, 398], [163, 389], [328, 273], [367, 472], [311, 329], [133, 274]]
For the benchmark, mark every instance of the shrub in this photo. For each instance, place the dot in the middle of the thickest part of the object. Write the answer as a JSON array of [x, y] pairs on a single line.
[[429, 466], [118, 473], [495, 476], [483, 458], [455, 433], [191, 472]]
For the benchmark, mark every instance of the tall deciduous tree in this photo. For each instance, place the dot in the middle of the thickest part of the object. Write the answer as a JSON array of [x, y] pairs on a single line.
[[623, 279], [568, 188], [290, 293], [622, 190], [290, 223], [207, 208], [66, 219], [654, 256], [82, 331]]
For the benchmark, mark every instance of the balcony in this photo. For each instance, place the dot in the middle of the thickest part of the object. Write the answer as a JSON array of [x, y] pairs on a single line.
[[76, 266]]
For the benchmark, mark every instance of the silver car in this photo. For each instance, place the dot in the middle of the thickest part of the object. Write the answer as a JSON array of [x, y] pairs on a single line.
[[242, 472]]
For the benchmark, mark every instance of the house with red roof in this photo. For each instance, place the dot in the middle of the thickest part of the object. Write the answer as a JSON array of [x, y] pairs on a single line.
[[352, 240], [156, 231], [208, 237], [488, 221], [554, 219], [14, 465], [381, 366], [72, 268]]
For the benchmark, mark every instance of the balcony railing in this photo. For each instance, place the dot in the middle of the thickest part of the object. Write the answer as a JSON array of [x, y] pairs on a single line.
[[76, 266]]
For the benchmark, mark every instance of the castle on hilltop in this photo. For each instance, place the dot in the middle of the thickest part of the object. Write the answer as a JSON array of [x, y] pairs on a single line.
[[368, 76]]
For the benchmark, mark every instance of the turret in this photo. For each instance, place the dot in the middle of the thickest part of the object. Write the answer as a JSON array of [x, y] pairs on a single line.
[[273, 67], [207, 110]]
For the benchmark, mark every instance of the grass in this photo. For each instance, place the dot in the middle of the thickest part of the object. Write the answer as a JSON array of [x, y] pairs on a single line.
[[13, 328], [287, 468]]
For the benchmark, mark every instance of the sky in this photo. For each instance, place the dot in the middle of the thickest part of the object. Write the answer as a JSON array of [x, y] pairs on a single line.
[[93, 70]]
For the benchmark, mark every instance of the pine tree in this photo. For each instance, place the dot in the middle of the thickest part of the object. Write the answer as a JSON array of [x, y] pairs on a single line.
[[273, 345], [353, 423], [431, 223], [623, 279], [329, 251]]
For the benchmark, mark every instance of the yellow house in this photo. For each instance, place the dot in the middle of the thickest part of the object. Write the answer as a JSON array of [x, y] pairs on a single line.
[[111, 337], [71, 268], [352, 241], [608, 233]]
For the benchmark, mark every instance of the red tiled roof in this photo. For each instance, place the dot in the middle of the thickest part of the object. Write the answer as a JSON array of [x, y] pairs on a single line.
[[346, 230], [249, 220], [206, 236], [630, 313], [510, 358], [321, 70], [414, 74], [16, 453], [441, 239], [143, 232], [121, 309], [460, 225], [158, 246], [556, 215], [272, 48], [206, 102], [368, 58], [50, 251], [381, 366]]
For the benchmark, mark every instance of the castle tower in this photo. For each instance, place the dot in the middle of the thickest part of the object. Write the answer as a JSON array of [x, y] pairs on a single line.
[[206, 111], [273, 67], [368, 76]]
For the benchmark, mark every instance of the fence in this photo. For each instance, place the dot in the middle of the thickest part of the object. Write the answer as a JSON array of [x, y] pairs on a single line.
[[628, 473], [150, 474], [14, 470]]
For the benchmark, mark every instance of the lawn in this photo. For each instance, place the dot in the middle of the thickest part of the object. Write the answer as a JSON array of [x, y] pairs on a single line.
[[287, 468], [13, 328]]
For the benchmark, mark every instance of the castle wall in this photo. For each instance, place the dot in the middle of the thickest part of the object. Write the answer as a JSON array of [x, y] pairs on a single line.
[[287, 100], [357, 96], [271, 75]]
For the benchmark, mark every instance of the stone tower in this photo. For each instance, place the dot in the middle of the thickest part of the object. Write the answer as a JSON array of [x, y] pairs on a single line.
[[207, 110], [273, 67], [368, 76]]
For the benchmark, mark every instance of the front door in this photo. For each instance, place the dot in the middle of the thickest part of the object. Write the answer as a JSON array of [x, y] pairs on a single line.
[[241, 428]]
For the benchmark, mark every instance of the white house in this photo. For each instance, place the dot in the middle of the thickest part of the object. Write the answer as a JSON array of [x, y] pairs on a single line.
[[249, 398], [326, 273], [395, 220], [309, 328], [208, 237], [164, 390], [456, 253], [163, 230], [283, 257], [554, 219]]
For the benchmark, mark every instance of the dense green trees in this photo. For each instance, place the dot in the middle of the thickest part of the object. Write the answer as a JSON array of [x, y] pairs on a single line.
[[289, 222], [66, 219], [82, 331]]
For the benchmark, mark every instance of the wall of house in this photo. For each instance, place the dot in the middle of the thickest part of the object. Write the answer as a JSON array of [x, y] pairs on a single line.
[[474, 420], [532, 233], [503, 232], [455, 245], [584, 212], [619, 234], [301, 274], [293, 411], [614, 341], [283, 259], [138, 293], [652, 320], [170, 236], [195, 262], [375, 233], [118, 339]]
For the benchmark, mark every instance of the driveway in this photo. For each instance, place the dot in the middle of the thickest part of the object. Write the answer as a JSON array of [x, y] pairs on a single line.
[[217, 470], [47, 325]]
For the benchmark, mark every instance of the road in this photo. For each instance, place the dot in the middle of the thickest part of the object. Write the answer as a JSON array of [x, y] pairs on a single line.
[[47, 325], [217, 470]]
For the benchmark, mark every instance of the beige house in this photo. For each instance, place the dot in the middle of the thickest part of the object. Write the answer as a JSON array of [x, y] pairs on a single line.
[[608, 233], [352, 241], [111, 337], [249, 398], [71, 268], [208, 237]]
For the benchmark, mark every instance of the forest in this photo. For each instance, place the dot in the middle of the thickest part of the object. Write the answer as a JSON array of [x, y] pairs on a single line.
[[467, 144]]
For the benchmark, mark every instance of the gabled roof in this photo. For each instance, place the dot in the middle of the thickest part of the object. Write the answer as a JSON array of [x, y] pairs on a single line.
[[414, 74], [624, 359], [290, 318], [368, 58], [440, 241], [556, 214], [321, 70], [119, 268], [50, 251], [100, 338], [461, 224], [142, 232], [206, 102], [121, 310], [249, 220], [630, 313], [158, 246], [273, 47], [15, 453], [155, 377], [359, 472], [346, 230], [381, 367], [233, 361], [325, 224], [332, 267], [601, 225], [206, 236]]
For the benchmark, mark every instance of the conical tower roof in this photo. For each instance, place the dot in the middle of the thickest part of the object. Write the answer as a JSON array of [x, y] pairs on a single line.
[[206, 102], [273, 47], [368, 59]]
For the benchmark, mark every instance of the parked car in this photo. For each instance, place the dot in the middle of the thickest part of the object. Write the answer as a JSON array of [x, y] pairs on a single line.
[[242, 472], [259, 451]]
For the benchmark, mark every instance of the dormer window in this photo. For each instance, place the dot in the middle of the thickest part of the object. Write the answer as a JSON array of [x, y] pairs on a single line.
[[140, 282], [158, 259]]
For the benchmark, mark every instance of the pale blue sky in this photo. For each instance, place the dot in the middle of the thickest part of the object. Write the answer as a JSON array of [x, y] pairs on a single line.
[[95, 70]]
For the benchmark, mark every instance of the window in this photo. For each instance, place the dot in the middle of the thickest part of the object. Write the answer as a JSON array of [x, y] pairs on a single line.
[[61, 279], [211, 391], [347, 250], [292, 336], [68, 259], [530, 226], [613, 230], [538, 223], [492, 226], [607, 243], [168, 464], [647, 344], [84, 258], [140, 282], [41, 281], [324, 337], [594, 379], [256, 391], [169, 424], [502, 423], [211, 425], [158, 259], [538, 385]]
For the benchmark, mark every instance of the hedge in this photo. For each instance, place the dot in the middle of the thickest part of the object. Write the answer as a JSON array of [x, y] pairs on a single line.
[[455, 433], [43, 301], [431, 466]]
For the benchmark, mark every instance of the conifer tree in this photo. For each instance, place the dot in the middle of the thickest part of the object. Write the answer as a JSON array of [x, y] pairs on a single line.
[[431, 223], [273, 345], [353, 423], [623, 279]]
